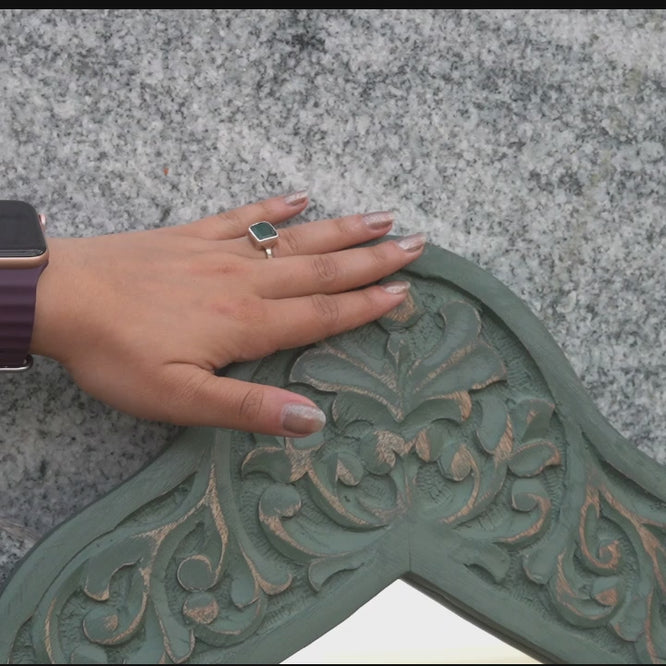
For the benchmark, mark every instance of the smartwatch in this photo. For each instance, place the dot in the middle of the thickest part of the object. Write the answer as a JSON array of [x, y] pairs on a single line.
[[23, 257]]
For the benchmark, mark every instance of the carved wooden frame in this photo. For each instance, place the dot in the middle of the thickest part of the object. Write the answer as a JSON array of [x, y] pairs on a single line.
[[461, 453]]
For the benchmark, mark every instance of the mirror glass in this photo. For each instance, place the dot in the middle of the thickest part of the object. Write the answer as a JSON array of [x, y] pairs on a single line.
[[402, 625]]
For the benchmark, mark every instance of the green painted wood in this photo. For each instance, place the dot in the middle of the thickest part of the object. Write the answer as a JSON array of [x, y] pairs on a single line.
[[461, 454]]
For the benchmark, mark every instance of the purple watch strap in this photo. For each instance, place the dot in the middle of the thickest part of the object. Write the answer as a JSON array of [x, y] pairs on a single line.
[[18, 289]]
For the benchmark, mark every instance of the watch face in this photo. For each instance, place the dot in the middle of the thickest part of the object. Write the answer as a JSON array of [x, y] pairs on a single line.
[[21, 232]]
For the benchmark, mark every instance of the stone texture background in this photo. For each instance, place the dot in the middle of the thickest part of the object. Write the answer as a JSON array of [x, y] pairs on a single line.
[[530, 142]]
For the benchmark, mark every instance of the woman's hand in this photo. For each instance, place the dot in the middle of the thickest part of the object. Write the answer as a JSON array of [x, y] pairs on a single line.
[[143, 319]]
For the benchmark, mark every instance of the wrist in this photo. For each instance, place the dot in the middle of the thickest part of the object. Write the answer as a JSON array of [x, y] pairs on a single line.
[[52, 304]]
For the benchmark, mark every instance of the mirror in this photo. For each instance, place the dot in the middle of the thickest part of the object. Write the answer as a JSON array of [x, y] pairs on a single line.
[[401, 625]]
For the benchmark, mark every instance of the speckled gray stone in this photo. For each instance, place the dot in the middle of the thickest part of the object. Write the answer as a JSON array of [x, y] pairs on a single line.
[[531, 142]]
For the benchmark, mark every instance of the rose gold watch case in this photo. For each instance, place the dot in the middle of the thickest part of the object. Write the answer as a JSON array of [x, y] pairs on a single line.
[[28, 262]]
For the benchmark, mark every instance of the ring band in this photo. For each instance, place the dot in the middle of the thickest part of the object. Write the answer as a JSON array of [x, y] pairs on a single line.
[[264, 236]]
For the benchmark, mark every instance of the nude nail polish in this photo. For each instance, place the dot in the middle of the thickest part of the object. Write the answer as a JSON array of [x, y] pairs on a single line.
[[302, 419], [396, 287], [412, 243], [295, 198], [378, 220]]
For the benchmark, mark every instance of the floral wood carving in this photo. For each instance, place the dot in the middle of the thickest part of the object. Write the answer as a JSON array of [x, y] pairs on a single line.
[[460, 453]]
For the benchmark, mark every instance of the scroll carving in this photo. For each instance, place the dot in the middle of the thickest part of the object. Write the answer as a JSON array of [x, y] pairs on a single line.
[[403, 422], [447, 434]]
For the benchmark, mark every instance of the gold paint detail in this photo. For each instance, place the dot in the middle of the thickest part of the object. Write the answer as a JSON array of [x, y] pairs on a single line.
[[405, 312], [201, 614], [545, 506], [153, 549]]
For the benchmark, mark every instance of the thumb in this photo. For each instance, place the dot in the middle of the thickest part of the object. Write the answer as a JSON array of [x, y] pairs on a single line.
[[208, 400]]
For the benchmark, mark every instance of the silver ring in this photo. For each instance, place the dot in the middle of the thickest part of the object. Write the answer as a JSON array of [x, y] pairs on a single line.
[[264, 236]]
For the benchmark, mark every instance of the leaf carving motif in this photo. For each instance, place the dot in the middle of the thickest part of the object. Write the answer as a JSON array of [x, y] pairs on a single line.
[[610, 571], [395, 413]]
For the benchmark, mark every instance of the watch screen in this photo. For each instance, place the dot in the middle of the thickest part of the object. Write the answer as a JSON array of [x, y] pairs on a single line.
[[21, 233]]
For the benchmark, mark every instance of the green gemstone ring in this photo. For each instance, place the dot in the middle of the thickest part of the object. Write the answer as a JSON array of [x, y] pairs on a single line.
[[263, 236]]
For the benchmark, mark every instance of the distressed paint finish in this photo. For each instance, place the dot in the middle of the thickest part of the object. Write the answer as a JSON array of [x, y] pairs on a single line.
[[461, 453]]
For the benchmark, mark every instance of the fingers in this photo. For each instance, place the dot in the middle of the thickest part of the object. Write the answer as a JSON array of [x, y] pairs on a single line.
[[308, 319], [335, 272], [324, 235], [234, 223], [190, 395], [202, 398]]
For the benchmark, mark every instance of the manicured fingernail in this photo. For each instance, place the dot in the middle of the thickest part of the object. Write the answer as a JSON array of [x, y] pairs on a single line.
[[379, 220], [302, 419], [295, 198], [396, 287], [412, 243]]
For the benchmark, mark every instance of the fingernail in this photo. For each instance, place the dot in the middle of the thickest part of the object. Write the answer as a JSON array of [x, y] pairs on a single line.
[[295, 198], [378, 220], [302, 419], [396, 287], [412, 243]]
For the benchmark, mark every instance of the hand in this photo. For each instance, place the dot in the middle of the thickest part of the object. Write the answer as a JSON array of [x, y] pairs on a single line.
[[143, 319]]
